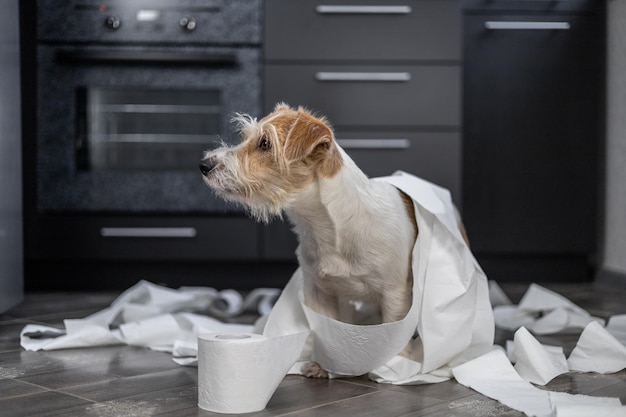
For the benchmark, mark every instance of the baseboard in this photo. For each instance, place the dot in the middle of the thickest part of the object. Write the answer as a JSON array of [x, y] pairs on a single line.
[[564, 268], [108, 276], [609, 277]]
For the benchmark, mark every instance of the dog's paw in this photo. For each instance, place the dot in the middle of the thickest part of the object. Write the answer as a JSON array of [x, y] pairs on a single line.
[[408, 351], [313, 370]]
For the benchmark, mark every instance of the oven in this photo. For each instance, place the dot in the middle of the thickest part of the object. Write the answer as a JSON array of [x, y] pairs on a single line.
[[132, 92], [126, 97]]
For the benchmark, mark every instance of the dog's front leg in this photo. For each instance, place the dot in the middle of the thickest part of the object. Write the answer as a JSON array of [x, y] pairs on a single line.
[[327, 305], [322, 302], [394, 306]]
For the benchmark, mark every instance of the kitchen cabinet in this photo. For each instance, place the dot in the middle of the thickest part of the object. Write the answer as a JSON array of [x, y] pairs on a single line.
[[533, 101], [387, 76]]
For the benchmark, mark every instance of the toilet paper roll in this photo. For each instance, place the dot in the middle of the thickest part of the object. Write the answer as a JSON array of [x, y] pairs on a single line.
[[238, 373]]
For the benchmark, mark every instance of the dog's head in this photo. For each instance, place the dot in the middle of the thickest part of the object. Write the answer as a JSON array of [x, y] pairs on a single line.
[[278, 157]]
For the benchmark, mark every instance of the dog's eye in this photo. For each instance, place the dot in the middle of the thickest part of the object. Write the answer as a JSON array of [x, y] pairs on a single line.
[[264, 144]]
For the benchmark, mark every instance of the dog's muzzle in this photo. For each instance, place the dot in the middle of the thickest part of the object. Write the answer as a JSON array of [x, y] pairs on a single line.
[[206, 166]]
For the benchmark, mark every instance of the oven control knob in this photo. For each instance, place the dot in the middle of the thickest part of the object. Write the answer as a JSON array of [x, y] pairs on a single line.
[[113, 22], [187, 23]]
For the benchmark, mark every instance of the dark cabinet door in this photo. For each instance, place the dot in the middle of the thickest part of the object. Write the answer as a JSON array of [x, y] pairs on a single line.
[[533, 128]]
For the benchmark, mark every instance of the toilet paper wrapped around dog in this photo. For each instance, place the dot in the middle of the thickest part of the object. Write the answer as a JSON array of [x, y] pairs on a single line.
[[450, 315]]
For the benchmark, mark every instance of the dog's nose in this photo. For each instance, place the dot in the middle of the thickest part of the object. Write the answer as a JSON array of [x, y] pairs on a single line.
[[206, 166]]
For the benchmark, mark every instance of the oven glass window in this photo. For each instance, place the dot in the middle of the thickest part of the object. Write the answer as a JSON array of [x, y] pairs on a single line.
[[145, 129]]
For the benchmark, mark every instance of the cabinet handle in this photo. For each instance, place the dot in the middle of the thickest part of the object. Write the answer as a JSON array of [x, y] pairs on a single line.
[[345, 9], [374, 143], [498, 25], [364, 76], [158, 232]]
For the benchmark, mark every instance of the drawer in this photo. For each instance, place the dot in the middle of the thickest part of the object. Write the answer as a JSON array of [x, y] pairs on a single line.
[[362, 30], [434, 156], [369, 95], [545, 6], [146, 238]]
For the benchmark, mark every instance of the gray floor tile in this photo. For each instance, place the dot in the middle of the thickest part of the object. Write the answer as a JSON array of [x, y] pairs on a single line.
[[165, 402], [374, 404], [39, 404], [10, 388], [129, 386], [473, 406]]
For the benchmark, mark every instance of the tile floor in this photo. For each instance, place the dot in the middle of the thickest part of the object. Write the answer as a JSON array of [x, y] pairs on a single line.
[[127, 381]]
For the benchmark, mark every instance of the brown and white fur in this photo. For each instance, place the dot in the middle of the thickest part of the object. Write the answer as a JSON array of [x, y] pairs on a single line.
[[355, 234]]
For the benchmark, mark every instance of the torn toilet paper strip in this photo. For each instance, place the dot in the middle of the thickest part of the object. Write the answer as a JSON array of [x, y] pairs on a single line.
[[493, 376], [590, 410]]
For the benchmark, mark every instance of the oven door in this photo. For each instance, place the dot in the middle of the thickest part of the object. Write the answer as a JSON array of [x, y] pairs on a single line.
[[122, 129]]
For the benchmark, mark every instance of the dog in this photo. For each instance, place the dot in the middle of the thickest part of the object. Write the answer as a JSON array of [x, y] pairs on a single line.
[[355, 234]]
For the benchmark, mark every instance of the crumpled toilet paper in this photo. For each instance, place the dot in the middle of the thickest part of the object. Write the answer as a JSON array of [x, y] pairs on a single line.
[[597, 350], [534, 363], [542, 311], [493, 376], [152, 316]]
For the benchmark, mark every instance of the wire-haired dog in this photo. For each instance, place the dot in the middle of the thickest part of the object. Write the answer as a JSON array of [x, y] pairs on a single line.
[[356, 235]]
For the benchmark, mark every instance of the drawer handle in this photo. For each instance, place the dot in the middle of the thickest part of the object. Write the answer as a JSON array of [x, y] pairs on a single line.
[[158, 232], [364, 76], [374, 143], [494, 25], [325, 9]]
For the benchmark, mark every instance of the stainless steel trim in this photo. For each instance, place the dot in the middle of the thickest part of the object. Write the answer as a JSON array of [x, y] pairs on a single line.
[[364, 76], [509, 25], [174, 139], [158, 108], [374, 143], [158, 232], [346, 9]]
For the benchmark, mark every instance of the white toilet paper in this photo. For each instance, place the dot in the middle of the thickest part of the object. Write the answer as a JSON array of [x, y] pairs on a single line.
[[238, 373], [597, 350], [534, 362]]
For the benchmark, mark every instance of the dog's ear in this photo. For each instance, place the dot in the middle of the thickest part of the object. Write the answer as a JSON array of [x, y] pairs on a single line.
[[305, 135], [282, 106]]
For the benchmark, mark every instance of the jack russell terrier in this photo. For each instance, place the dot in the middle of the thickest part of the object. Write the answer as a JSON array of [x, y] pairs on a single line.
[[356, 235]]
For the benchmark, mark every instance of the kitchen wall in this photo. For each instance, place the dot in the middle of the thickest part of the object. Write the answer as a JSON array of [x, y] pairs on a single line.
[[615, 223], [11, 271]]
